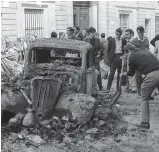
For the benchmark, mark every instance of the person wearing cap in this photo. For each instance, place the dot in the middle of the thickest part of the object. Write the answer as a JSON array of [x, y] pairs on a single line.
[[143, 60]]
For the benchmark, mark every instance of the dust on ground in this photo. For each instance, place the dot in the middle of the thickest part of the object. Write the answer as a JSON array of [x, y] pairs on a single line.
[[119, 133]]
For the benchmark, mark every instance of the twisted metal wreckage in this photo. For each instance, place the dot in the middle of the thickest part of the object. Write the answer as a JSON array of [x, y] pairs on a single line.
[[58, 75]]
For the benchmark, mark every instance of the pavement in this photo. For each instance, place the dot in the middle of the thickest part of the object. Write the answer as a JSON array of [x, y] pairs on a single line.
[[131, 139]]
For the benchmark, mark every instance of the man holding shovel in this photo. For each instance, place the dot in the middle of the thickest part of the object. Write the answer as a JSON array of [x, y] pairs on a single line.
[[145, 62]]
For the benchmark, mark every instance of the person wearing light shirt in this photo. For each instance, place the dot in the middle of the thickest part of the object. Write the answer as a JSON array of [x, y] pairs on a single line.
[[115, 52], [140, 42]]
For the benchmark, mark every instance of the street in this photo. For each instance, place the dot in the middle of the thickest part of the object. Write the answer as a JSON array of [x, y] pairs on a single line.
[[124, 137]]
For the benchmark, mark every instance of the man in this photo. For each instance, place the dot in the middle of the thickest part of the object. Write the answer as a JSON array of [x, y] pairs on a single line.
[[130, 87], [96, 34], [70, 33], [105, 54], [94, 41], [140, 42], [115, 52], [155, 43], [146, 63], [19, 47], [156, 38], [84, 33], [78, 34], [61, 34], [53, 35], [102, 39]]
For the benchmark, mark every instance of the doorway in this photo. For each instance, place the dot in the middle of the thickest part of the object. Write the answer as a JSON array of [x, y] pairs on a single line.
[[81, 14]]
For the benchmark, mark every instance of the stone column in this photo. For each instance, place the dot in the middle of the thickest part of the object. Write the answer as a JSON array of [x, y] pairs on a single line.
[[102, 17], [93, 12], [69, 12]]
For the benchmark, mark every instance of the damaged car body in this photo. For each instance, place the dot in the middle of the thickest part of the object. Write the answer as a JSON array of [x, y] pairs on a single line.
[[56, 69]]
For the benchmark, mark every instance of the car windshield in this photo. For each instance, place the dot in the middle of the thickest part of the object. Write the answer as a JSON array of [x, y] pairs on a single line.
[[60, 56]]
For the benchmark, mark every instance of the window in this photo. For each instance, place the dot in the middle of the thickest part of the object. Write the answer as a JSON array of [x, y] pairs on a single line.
[[124, 21], [157, 25], [34, 21], [56, 56]]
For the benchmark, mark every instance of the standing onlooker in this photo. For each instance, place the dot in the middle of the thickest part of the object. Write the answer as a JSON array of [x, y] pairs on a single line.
[[102, 39], [154, 40], [53, 35], [105, 51], [19, 46], [96, 34], [129, 34], [157, 49], [78, 34], [105, 55], [94, 41], [140, 42], [70, 33], [84, 33], [155, 43], [115, 52], [61, 34]]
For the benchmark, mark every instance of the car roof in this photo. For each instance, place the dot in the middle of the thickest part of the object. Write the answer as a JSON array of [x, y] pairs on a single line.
[[80, 46]]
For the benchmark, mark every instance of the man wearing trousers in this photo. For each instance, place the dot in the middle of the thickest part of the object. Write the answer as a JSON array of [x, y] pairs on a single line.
[[146, 63], [94, 41], [115, 52]]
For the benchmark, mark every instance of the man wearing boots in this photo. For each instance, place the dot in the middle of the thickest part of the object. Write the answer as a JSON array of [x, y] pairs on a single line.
[[115, 52], [146, 63], [95, 42]]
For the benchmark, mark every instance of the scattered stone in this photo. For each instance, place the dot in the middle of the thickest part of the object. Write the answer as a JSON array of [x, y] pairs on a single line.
[[13, 137], [20, 137], [13, 122], [92, 131], [31, 143], [88, 137], [19, 116], [117, 140], [81, 142], [67, 139], [100, 146], [100, 123], [44, 122], [95, 119], [37, 139]]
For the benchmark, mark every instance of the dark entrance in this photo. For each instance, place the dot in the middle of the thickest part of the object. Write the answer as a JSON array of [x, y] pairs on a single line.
[[81, 14]]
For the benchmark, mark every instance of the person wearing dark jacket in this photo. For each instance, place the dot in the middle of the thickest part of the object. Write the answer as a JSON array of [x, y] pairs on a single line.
[[156, 38], [78, 34], [94, 41], [70, 33], [146, 63], [115, 52]]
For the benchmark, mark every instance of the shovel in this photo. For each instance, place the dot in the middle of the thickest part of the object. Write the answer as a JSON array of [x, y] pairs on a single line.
[[119, 91]]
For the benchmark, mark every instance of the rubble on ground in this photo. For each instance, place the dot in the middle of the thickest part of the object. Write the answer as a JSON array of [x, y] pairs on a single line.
[[66, 132]]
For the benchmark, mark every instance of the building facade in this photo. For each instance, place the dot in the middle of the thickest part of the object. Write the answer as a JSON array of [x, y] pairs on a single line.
[[22, 17]]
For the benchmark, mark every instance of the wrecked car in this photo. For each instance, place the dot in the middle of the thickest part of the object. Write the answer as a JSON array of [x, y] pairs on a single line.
[[57, 69]]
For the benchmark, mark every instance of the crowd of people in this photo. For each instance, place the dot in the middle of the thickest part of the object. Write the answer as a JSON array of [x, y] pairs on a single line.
[[128, 55], [123, 53]]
